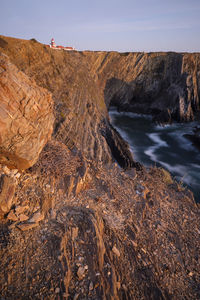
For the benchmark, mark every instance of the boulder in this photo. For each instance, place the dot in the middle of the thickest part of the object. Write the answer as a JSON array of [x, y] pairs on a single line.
[[26, 117]]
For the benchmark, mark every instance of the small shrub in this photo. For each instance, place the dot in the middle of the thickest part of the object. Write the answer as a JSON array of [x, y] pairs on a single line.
[[166, 176]]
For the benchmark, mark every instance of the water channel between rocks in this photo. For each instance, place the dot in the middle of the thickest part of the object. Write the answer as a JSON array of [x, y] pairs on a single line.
[[166, 146]]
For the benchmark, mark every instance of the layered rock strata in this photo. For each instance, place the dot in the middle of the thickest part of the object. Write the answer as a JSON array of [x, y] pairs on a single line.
[[166, 85], [26, 117]]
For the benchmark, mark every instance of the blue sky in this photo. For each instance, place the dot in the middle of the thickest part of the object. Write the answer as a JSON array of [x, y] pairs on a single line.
[[125, 25]]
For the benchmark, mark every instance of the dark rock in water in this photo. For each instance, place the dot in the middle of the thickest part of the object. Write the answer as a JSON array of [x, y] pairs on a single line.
[[163, 117]]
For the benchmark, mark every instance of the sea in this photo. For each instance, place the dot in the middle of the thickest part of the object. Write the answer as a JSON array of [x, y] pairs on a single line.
[[161, 146]]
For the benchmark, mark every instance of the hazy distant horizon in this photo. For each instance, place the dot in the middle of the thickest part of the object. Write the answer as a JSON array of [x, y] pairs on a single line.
[[112, 25]]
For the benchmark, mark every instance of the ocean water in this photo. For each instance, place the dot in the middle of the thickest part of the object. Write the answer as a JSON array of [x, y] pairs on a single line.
[[164, 146]]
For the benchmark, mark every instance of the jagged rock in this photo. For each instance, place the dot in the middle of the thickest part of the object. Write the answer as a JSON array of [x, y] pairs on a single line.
[[20, 209], [7, 192], [36, 217], [26, 117], [11, 216], [23, 218], [27, 226]]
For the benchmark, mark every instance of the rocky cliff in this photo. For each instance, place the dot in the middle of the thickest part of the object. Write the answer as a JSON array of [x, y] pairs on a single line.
[[75, 225], [166, 85]]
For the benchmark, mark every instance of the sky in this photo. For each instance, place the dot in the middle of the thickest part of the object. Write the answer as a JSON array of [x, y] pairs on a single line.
[[119, 25]]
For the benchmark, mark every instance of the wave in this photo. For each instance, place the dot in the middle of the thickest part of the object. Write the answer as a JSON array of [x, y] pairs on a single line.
[[114, 111]]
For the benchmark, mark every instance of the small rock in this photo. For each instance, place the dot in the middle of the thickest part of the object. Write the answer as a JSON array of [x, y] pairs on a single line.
[[20, 209], [27, 226], [116, 251], [81, 273], [13, 172], [13, 225], [134, 243], [57, 290], [17, 175], [36, 217], [23, 218], [7, 195], [6, 170], [11, 216]]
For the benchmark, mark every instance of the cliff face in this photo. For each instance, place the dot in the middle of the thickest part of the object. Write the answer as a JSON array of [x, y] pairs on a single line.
[[166, 85], [81, 113], [75, 225]]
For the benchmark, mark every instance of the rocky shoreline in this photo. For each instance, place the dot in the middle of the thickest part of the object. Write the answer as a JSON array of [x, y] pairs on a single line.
[[79, 217]]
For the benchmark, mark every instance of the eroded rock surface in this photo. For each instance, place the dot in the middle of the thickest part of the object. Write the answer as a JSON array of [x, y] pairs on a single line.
[[26, 117]]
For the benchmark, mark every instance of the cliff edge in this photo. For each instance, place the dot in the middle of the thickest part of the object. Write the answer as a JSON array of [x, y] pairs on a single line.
[[75, 225]]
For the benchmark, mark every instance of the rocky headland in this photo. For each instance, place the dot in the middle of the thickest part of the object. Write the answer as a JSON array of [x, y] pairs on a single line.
[[80, 218]]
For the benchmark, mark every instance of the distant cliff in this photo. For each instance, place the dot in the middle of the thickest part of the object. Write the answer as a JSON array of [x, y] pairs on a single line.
[[73, 223], [166, 85]]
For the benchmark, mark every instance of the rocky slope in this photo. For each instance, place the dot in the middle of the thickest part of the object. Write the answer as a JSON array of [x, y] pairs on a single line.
[[75, 225]]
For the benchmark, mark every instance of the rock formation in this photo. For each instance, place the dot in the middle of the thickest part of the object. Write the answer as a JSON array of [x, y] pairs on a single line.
[[75, 225], [160, 84], [26, 117]]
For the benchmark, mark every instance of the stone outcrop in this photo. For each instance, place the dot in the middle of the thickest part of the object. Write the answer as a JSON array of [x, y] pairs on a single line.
[[26, 117], [77, 226]]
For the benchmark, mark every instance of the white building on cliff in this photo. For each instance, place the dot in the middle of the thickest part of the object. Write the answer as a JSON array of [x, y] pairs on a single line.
[[54, 46]]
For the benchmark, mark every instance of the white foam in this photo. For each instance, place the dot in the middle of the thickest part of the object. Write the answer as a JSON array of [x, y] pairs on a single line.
[[195, 166], [155, 137], [113, 111]]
